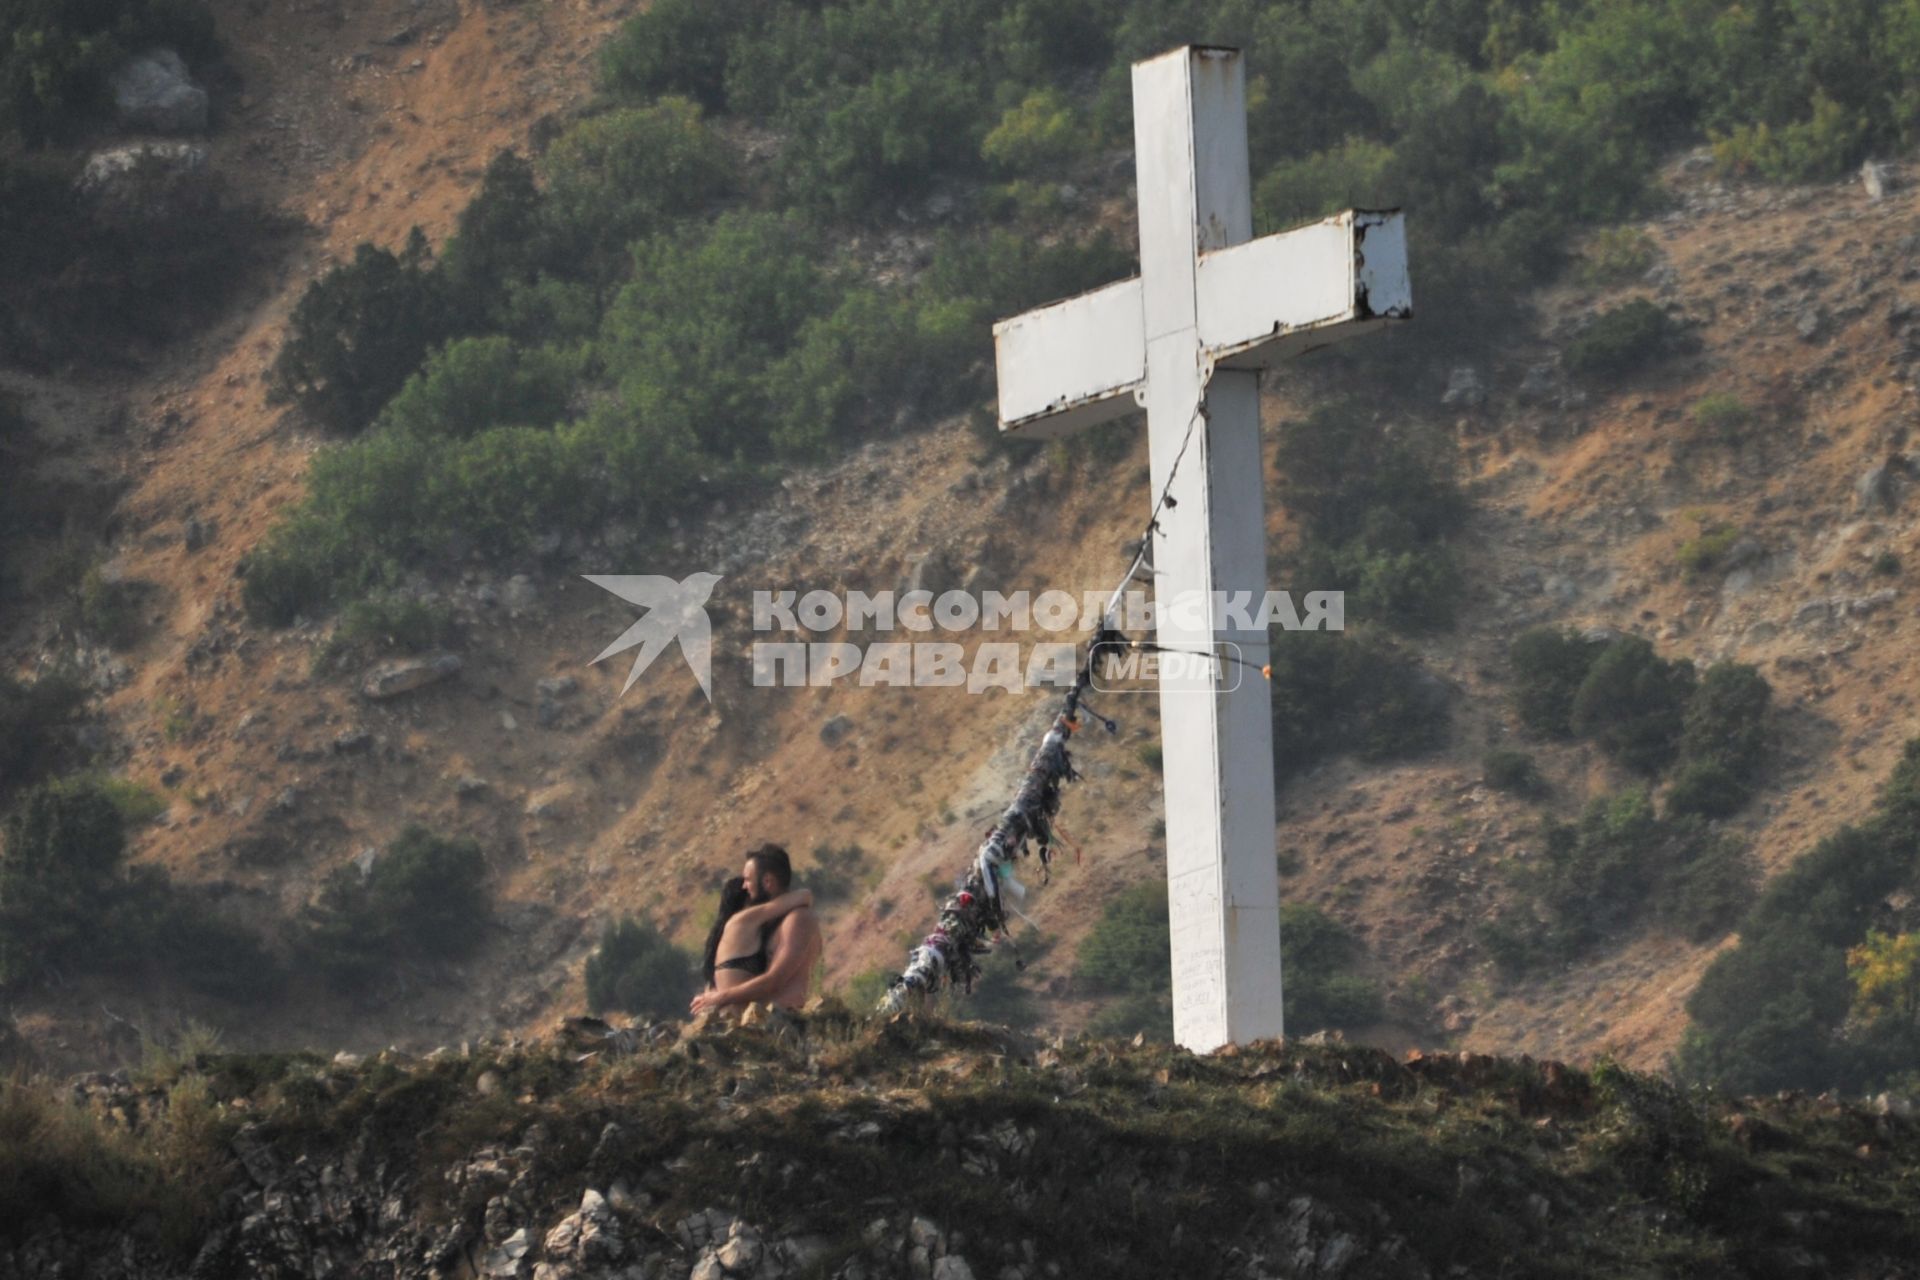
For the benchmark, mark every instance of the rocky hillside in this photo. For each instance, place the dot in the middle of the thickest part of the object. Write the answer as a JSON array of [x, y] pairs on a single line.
[[277, 767], [820, 1145]]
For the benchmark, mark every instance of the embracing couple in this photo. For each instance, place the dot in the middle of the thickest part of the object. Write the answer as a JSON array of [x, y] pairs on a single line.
[[765, 941]]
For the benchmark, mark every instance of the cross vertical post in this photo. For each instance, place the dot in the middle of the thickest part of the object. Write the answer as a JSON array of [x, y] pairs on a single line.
[[1211, 307], [1223, 891]]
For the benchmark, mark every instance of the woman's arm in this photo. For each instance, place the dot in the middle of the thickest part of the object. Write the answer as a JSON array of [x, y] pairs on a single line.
[[765, 913]]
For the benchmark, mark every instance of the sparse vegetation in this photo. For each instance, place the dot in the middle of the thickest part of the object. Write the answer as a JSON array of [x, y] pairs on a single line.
[[837, 874], [1623, 340], [1722, 415], [1597, 877], [109, 608], [1508, 770], [1707, 552], [1420, 1159], [1616, 254]]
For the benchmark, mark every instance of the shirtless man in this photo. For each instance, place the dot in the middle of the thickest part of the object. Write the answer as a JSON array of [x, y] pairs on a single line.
[[792, 950]]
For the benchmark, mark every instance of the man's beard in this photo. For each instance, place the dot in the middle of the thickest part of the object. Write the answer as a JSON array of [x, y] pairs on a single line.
[[758, 895]]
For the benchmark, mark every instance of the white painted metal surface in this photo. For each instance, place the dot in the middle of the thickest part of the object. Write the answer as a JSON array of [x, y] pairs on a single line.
[[1210, 304], [1092, 344]]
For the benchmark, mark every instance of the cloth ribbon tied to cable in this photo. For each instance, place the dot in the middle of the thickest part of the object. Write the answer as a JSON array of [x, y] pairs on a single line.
[[978, 911]]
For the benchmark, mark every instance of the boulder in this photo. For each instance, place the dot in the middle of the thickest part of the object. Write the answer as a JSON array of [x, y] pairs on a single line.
[[394, 679], [153, 93], [1875, 489], [1538, 384], [144, 180], [1464, 389], [1876, 177]]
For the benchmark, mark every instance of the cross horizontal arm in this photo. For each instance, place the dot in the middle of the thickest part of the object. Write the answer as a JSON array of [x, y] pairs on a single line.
[[1270, 299], [1072, 364]]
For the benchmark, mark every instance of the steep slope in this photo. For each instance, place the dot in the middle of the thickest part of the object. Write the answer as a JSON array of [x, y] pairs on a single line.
[[589, 803]]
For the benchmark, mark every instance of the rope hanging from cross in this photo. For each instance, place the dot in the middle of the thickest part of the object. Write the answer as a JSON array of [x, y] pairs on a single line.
[[976, 916]]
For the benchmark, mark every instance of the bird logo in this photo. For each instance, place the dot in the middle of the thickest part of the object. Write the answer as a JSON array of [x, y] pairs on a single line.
[[675, 611]]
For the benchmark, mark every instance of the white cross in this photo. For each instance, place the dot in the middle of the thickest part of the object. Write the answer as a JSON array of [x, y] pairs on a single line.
[[1211, 307]]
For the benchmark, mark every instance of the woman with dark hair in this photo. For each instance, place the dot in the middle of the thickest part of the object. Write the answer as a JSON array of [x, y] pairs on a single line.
[[740, 932]]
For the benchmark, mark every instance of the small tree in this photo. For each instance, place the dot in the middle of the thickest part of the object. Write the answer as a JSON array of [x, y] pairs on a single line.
[[1632, 703], [636, 969], [64, 844], [424, 897], [1885, 970], [357, 332], [1548, 667]]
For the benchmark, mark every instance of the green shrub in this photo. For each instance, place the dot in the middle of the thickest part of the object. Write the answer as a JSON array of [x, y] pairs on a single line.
[[1622, 340], [1349, 691], [1377, 503], [1706, 895], [1726, 719], [1825, 144], [1315, 953], [1768, 1013], [1150, 755], [836, 873], [1706, 788], [1598, 877], [33, 716], [1508, 770], [859, 147], [406, 623], [473, 384], [619, 177], [502, 243], [110, 608], [1356, 174], [83, 278], [1614, 254], [676, 47], [64, 845], [1722, 413], [137, 804], [637, 970], [424, 896], [1129, 950], [1040, 133], [1128, 957], [1887, 564], [357, 333], [1702, 555], [1633, 704], [1549, 666]]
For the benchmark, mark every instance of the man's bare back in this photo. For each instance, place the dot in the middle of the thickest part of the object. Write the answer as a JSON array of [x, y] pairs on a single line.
[[797, 939]]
